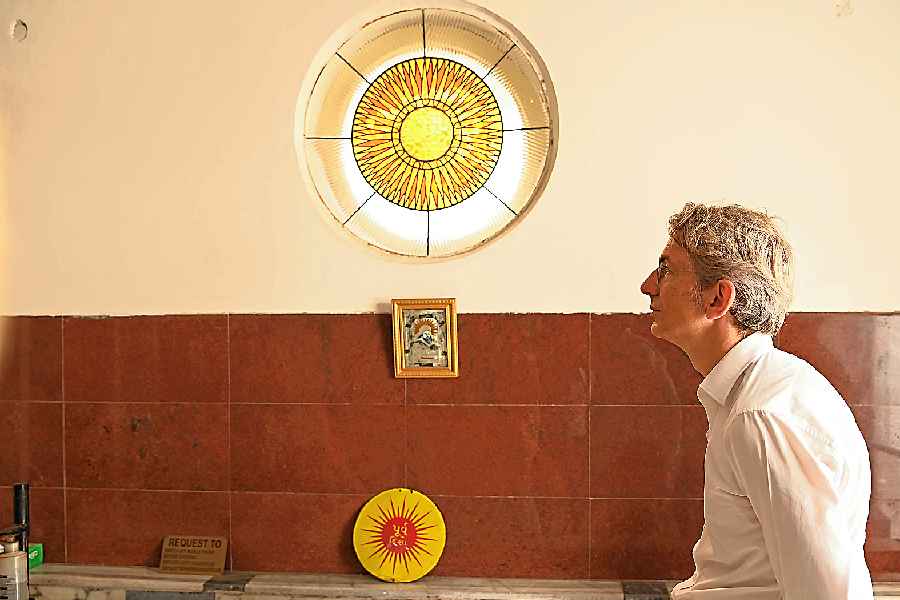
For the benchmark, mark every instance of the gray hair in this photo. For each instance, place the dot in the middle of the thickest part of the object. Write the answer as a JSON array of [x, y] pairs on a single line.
[[745, 247]]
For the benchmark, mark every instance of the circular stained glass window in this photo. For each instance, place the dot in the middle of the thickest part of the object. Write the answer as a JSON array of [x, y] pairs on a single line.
[[430, 131]]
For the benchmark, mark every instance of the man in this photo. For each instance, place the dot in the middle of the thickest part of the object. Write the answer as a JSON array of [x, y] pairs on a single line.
[[787, 477]]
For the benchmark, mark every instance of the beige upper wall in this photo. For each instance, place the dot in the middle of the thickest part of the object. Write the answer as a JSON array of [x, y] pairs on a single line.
[[148, 161]]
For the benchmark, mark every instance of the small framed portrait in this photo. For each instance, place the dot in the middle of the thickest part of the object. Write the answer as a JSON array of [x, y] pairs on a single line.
[[425, 337]]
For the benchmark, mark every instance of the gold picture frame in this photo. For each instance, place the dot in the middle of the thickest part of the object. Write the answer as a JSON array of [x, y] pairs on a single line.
[[425, 340]]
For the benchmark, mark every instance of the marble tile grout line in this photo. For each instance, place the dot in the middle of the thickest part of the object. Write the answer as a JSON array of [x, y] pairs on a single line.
[[374, 490], [373, 404], [590, 399], [62, 391], [405, 435], [228, 536]]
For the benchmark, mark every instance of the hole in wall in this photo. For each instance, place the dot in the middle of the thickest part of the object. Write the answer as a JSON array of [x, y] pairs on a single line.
[[19, 30]]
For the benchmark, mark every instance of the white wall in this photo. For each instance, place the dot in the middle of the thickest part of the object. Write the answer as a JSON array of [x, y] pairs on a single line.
[[147, 157]]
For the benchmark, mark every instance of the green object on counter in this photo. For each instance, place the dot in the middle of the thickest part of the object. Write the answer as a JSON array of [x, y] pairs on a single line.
[[35, 555]]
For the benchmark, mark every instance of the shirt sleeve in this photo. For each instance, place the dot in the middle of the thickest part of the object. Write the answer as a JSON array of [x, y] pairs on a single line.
[[792, 481]]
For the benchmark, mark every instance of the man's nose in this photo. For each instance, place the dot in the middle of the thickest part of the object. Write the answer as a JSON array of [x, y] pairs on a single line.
[[650, 285]]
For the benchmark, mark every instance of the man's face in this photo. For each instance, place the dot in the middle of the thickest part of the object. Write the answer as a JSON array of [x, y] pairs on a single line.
[[674, 294]]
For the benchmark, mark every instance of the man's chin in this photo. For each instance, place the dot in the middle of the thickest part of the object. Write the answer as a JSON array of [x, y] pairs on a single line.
[[658, 330]]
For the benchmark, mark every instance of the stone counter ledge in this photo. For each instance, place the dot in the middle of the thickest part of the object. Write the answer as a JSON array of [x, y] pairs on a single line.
[[78, 582]]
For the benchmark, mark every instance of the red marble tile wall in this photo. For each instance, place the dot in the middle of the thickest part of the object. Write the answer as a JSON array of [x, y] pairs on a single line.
[[571, 446]]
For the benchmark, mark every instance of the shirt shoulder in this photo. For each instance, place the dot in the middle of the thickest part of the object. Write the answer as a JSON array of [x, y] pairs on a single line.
[[779, 382], [791, 392]]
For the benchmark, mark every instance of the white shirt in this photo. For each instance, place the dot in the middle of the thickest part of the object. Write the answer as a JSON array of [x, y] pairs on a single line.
[[787, 484]]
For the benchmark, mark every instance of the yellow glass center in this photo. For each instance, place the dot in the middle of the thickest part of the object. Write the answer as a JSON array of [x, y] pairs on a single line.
[[426, 133]]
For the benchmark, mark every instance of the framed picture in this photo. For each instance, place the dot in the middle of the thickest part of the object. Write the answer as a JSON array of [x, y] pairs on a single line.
[[425, 337]]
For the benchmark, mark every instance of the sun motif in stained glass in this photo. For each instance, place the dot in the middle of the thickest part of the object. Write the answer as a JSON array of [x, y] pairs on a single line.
[[427, 133], [399, 535]]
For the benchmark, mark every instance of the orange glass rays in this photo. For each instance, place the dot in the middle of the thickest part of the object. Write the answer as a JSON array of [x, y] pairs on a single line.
[[427, 133], [399, 535]]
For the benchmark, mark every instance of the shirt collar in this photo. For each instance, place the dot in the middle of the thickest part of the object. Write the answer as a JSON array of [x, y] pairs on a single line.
[[721, 379]]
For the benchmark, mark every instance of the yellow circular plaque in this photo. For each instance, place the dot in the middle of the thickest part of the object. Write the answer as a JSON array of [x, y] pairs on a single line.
[[399, 535]]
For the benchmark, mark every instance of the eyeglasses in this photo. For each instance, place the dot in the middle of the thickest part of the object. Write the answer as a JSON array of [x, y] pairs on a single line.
[[661, 271]]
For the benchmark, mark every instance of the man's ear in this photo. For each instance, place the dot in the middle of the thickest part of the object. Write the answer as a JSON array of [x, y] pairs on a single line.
[[720, 297]]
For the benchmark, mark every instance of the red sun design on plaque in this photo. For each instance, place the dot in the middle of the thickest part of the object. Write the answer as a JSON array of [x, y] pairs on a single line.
[[398, 534]]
